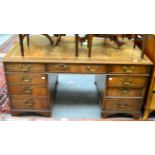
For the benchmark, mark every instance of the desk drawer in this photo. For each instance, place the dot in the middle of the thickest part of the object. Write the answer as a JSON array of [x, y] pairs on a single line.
[[58, 67], [76, 68], [126, 81], [89, 68], [29, 103], [24, 67], [122, 104], [27, 90], [26, 78], [125, 92], [130, 69]]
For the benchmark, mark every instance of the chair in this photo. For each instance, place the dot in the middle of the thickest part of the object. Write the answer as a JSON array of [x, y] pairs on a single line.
[[112, 37], [22, 36]]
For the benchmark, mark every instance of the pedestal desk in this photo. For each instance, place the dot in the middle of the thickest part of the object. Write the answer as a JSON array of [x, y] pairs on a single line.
[[123, 90]]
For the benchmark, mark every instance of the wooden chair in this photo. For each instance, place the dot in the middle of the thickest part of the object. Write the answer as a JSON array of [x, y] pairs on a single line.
[[22, 36], [112, 37], [89, 38]]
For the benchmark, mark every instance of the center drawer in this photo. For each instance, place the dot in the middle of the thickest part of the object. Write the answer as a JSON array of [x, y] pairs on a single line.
[[122, 104], [27, 90], [76, 68], [126, 81], [29, 103], [26, 78]]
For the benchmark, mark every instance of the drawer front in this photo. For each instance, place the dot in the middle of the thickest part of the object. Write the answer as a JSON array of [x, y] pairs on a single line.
[[130, 69], [122, 104], [126, 81], [27, 90], [125, 92], [24, 67], [76, 68], [26, 78], [29, 103], [89, 69], [58, 67]]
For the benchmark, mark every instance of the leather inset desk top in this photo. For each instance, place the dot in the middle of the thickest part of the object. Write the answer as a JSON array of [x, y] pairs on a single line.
[[103, 52]]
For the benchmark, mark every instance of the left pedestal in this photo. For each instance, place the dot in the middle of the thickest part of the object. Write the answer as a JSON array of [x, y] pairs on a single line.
[[28, 88]]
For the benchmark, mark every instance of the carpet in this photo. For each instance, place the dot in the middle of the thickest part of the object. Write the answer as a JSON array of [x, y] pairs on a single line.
[[6, 43], [76, 97]]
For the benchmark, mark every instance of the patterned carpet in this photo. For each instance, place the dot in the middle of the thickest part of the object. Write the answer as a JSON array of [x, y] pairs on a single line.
[[6, 43], [4, 102]]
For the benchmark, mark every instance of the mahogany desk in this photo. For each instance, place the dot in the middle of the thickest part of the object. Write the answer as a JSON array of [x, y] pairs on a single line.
[[123, 91]]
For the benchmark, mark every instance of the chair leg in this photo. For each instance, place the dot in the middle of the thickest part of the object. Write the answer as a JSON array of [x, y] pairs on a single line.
[[76, 45], [90, 40], [58, 40], [143, 45], [135, 41], [21, 44], [28, 40], [50, 39]]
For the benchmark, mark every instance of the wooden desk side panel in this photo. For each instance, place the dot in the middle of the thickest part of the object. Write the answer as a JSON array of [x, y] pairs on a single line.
[[100, 81], [150, 52], [150, 47]]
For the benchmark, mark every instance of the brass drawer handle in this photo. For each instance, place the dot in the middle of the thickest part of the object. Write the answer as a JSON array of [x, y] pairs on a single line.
[[90, 69], [25, 67], [122, 104], [125, 90], [126, 81], [27, 90], [64, 66], [26, 79], [128, 69], [30, 102]]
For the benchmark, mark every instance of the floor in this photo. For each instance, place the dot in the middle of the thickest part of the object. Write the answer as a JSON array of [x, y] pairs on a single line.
[[76, 98]]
